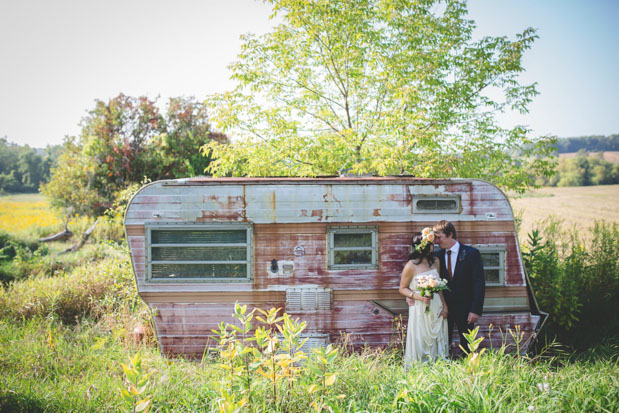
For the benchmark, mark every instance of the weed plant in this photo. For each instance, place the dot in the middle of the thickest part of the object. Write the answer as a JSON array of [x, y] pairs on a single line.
[[51, 366], [66, 330], [575, 277], [87, 291]]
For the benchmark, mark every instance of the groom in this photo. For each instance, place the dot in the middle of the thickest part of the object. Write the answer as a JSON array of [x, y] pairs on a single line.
[[462, 267]]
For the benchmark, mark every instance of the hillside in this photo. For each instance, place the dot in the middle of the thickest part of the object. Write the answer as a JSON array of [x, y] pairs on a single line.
[[609, 156], [577, 206]]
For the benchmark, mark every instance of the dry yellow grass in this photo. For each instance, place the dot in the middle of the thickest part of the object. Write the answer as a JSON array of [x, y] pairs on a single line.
[[578, 206]]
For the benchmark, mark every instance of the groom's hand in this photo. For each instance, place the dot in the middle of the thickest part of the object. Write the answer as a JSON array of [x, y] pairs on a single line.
[[472, 318]]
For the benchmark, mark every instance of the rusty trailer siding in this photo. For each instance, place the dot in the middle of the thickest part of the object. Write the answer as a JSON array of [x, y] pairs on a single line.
[[288, 215]]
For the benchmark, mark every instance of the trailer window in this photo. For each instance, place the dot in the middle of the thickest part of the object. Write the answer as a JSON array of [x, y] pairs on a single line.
[[436, 204], [493, 258], [352, 247], [199, 252]]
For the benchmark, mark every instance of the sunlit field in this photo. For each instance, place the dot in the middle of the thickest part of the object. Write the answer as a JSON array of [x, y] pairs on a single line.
[[610, 156], [22, 213], [67, 323], [578, 207], [30, 215]]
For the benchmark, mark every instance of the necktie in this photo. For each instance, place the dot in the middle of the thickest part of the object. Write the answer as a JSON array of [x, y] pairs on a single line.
[[449, 264]]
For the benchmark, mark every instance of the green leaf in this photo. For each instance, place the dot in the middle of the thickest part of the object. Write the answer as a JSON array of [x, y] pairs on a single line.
[[330, 379], [402, 91], [142, 405], [126, 396], [315, 370]]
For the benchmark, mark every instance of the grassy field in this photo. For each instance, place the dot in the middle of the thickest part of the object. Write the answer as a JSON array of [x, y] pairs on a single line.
[[579, 207], [66, 331], [610, 156], [26, 212]]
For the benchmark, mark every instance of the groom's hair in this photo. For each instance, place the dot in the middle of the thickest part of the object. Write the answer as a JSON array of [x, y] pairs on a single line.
[[446, 228]]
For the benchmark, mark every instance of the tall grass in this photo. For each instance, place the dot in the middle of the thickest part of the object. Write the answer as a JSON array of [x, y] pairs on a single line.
[[575, 277], [64, 334], [50, 366], [87, 291], [26, 218]]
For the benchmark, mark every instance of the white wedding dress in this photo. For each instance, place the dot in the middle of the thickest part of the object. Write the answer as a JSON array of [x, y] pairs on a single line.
[[426, 337]]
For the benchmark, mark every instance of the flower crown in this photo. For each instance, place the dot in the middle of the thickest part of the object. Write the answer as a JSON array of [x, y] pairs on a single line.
[[427, 237]]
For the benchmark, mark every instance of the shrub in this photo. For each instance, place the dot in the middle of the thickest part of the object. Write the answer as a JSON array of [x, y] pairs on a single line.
[[88, 290], [13, 251], [574, 280]]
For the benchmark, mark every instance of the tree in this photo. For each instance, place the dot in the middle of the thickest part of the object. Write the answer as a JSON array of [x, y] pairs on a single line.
[[125, 141], [22, 168], [380, 87]]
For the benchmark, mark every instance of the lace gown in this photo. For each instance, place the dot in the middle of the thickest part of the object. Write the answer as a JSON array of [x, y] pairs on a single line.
[[426, 337]]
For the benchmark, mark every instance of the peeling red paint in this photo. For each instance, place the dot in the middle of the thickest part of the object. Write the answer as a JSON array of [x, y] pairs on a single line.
[[233, 208], [185, 328], [317, 213]]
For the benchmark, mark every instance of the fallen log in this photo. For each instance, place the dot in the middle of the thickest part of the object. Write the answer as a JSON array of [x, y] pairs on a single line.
[[80, 244], [62, 235]]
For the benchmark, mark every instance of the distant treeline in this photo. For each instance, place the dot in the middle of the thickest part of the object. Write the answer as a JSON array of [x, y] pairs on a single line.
[[588, 143], [583, 170], [22, 168]]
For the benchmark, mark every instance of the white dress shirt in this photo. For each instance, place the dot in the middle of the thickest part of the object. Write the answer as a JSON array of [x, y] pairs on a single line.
[[454, 257]]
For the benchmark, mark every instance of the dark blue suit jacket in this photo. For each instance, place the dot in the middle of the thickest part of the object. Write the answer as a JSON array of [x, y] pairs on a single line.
[[468, 286]]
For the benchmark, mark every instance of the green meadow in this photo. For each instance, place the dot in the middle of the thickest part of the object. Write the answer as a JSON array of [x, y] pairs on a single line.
[[67, 323]]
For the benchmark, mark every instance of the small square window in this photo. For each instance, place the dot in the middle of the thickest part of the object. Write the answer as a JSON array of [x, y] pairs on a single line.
[[493, 259], [352, 247]]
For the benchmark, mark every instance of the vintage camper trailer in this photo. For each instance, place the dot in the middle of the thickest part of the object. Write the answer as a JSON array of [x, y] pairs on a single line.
[[327, 250]]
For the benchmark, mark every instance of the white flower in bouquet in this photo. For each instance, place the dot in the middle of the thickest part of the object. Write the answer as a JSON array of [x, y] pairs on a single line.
[[427, 285]]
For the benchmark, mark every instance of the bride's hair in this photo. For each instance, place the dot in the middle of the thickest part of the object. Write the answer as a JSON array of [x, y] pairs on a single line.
[[420, 253]]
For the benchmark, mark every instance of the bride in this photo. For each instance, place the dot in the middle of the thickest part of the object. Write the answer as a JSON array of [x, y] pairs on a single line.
[[426, 337]]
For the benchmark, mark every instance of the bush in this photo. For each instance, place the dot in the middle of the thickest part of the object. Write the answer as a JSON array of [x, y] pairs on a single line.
[[14, 250], [89, 290], [582, 170], [576, 281]]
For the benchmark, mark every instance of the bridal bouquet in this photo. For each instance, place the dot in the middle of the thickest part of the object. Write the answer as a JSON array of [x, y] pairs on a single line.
[[427, 285]]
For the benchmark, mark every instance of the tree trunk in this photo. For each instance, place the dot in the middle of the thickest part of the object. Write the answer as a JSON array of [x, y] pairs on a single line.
[[85, 237], [62, 235]]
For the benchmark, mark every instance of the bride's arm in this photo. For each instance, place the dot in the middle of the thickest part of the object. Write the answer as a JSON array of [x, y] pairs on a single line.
[[405, 281]]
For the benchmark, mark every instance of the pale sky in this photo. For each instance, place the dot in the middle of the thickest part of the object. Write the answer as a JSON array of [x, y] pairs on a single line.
[[59, 56]]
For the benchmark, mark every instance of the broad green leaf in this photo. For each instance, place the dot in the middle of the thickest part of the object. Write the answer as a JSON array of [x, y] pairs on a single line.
[[126, 396], [142, 405]]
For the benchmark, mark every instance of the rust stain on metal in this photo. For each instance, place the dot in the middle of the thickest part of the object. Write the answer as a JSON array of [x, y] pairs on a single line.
[[471, 205], [244, 204], [232, 208], [185, 328], [329, 196]]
